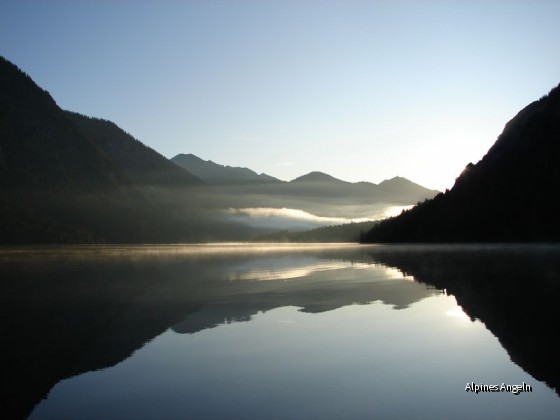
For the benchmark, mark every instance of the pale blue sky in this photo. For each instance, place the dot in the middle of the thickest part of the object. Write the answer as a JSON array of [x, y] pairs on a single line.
[[363, 90]]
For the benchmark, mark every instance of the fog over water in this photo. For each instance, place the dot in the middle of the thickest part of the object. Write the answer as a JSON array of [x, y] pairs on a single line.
[[295, 219]]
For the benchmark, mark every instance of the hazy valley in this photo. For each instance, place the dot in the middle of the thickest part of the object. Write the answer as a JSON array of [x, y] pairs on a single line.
[[70, 178]]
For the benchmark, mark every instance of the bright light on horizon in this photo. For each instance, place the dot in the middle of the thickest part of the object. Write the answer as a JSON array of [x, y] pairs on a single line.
[[458, 314]]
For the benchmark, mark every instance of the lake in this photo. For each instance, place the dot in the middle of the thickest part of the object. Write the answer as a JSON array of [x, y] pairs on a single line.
[[280, 331]]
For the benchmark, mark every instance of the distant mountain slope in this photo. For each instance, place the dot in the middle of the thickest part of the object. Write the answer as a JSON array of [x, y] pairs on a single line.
[[317, 193], [317, 185], [509, 195], [216, 174], [397, 190], [399, 185]]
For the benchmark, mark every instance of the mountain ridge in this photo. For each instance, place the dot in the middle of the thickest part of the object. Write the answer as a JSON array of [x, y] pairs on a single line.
[[70, 178], [62, 181], [205, 172], [217, 174]]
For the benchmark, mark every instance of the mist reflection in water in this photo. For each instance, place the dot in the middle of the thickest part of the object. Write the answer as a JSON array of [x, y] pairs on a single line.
[[299, 269]]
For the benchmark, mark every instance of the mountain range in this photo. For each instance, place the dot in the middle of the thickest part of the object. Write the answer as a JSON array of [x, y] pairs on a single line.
[[216, 174], [316, 192], [70, 178], [66, 178], [508, 196]]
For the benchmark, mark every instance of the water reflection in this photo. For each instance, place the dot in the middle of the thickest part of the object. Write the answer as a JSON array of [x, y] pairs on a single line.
[[513, 289], [71, 310]]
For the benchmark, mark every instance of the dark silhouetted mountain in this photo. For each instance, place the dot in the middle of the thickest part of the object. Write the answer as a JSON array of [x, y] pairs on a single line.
[[45, 163], [139, 164], [65, 177], [508, 196], [39, 147], [216, 174], [43, 147]]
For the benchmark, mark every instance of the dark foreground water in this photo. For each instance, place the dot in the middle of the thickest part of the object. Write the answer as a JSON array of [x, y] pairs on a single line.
[[279, 331]]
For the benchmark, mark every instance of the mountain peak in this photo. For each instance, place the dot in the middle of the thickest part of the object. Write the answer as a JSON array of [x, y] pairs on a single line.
[[395, 180], [398, 181], [316, 176], [189, 156]]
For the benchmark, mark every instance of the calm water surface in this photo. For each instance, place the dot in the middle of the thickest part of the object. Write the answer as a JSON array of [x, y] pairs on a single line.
[[279, 332]]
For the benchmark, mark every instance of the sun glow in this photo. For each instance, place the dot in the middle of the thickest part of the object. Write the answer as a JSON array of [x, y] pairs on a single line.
[[395, 210], [457, 313], [394, 273]]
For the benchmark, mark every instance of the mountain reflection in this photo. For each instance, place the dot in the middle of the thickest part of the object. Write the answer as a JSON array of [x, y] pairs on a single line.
[[320, 287], [513, 289], [71, 310]]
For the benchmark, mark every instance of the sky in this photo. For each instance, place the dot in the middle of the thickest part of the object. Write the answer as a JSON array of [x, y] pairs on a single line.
[[362, 90]]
